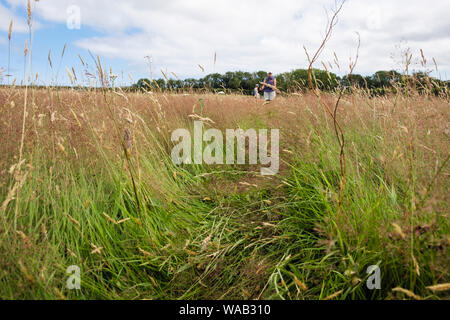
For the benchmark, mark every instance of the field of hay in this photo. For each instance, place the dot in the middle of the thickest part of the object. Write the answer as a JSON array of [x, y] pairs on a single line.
[[86, 179]]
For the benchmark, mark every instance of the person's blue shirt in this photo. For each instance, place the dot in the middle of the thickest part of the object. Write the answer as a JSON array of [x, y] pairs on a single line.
[[271, 81]]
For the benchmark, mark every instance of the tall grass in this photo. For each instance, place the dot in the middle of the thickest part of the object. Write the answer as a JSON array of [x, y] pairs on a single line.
[[222, 232], [86, 179]]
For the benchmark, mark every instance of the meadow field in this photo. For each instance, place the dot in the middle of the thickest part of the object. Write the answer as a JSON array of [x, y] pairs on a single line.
[[87, 180]]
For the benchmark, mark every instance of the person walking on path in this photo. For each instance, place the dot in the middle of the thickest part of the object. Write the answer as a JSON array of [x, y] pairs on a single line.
[[256, 92], [269, 87]]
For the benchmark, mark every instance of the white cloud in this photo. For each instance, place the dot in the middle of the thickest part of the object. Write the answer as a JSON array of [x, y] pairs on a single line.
[[252, 35], [6, 15]]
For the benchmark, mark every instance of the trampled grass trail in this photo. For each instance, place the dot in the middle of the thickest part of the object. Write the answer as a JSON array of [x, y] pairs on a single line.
[[97, 188]]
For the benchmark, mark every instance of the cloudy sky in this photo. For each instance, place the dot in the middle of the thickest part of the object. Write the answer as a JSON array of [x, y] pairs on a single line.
[[246, 35]]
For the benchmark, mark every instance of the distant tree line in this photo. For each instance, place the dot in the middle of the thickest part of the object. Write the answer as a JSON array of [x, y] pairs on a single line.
[[381, 82]]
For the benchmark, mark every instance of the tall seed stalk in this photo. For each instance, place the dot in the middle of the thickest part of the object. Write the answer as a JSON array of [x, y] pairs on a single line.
[[22, 139], [9, 51], [331, 111]]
